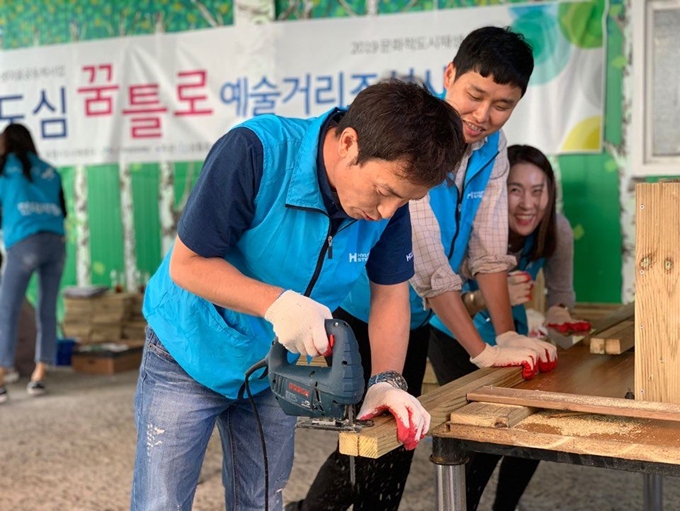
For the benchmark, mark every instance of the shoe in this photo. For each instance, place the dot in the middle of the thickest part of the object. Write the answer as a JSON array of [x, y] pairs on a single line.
[[293, 506], [4, 396], [11, 375], [36, 388]]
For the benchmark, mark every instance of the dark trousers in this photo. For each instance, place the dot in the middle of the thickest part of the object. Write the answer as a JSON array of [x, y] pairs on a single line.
[[380, 482], [450, 361]]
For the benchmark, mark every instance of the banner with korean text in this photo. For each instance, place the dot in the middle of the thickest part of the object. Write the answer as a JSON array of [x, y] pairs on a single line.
[[168, 97]]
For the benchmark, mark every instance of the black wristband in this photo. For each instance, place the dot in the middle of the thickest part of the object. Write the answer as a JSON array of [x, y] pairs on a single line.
[[391, 377]]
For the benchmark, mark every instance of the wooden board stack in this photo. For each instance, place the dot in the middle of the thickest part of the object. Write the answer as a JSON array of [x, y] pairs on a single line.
[[110, 317]]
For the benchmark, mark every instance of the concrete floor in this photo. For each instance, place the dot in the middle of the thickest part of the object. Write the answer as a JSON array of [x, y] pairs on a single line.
[[73, 450]]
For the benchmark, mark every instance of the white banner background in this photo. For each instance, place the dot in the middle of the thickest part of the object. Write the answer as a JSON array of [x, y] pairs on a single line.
[[296, 68]]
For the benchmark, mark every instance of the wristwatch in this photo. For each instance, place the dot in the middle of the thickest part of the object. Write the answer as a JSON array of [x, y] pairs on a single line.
[[469, 302], [391, 377]]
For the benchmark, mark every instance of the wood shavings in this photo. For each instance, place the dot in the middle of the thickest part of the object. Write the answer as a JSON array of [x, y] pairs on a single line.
[[582, 425]]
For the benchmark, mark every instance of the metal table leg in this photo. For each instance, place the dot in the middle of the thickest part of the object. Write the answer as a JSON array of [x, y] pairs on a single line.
[[652, 492], [449, 459]]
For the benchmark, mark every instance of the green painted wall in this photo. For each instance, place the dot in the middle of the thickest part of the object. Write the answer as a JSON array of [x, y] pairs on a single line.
[[591, 191], [590, 182]]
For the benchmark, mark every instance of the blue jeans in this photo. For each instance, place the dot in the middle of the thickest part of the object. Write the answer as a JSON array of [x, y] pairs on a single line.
[[44, 253], [175, 418]]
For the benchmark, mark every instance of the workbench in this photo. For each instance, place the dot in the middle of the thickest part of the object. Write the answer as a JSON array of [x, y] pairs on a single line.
[[643, 445]]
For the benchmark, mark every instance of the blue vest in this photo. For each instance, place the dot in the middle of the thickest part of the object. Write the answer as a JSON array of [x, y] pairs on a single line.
[[286, 246], [455, 216], [30, 207], [482, 320]]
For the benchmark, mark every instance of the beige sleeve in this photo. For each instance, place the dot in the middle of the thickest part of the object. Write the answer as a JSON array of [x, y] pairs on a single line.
[[433, 272]]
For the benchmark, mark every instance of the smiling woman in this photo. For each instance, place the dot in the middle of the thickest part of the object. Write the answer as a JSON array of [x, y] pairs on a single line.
[[531, 200], [538, 239]]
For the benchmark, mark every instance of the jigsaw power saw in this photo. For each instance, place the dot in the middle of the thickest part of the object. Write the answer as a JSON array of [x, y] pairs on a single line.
[[324, 396]]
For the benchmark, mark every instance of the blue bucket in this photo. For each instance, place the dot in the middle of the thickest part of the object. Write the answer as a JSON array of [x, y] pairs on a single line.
[[64, 351]]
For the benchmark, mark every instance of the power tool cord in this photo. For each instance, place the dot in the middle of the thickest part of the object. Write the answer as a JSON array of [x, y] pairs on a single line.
[[246, 386]]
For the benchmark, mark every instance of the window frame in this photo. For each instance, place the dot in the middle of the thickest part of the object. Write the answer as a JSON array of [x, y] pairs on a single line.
[[644, 162]]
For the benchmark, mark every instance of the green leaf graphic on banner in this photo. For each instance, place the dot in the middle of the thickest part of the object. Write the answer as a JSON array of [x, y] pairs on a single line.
[[579, 232], [611, 166], [551, 50], [581, 23], [619, 62]]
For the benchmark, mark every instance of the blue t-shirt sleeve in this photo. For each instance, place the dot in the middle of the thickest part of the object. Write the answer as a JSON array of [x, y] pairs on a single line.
[[391, 259], [221, 206]]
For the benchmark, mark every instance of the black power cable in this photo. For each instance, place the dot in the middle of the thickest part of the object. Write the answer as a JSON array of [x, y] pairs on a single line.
[[246, 386]]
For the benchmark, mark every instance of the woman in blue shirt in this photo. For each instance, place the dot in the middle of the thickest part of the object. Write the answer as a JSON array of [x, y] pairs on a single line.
[[33, 212]]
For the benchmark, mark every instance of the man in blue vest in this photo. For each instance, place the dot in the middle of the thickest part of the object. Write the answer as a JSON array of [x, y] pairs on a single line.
[[285, 216], [467, 221]]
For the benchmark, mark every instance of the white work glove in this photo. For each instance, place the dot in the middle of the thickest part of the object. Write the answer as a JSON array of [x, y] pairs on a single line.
[[535, 324], [413, 421], [520, 285], [299, 324], [546, 353], [558, 317], [495, 356]]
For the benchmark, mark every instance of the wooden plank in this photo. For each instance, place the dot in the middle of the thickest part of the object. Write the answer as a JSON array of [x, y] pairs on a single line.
[[657, 264], [381, 438], [594, 311], [537, 301], [585, 434], [622, 341], [430, 382], [579, 372], [577, 403], [598, 342], [491, 415], [612, 331], [314, 361], [614, 318], [597, 346]]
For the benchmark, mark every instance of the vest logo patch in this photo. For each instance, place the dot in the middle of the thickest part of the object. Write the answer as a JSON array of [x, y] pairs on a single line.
[[358, 257], [38, 208], [475, 195]]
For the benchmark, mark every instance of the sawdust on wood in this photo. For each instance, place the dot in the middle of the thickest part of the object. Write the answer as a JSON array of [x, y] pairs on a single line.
[[582, 424]]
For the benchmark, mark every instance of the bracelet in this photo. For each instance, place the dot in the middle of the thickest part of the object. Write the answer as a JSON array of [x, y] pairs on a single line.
[[391, 377]]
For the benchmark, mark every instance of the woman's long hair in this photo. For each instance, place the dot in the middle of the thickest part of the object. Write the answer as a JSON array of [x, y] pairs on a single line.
[[17, 139], [546, 232]]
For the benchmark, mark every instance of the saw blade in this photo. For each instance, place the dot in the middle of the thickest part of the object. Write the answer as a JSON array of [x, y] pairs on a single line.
[[352, 470], [333, 425]]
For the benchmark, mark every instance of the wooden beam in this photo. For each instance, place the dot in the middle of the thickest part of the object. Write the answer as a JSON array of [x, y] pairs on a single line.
[[577, 403], [491, 415], [597, 346], [611, 336], [622, 341], [657, 293], [611, 319], [314, 361], [594, 311], [381, 438], [588, 435]]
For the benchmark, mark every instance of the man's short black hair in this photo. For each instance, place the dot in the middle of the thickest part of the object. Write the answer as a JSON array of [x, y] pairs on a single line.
[[498, 52], [400, 121]]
